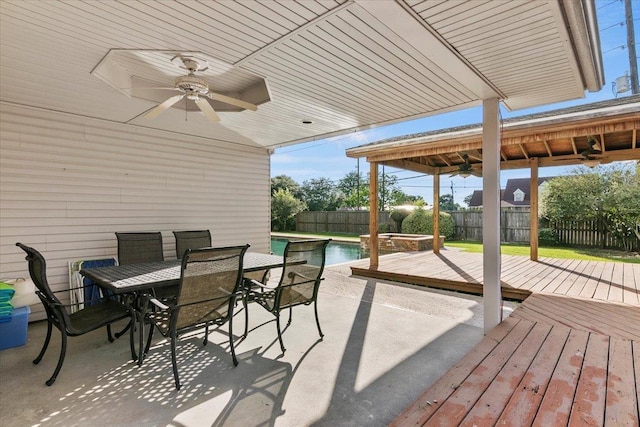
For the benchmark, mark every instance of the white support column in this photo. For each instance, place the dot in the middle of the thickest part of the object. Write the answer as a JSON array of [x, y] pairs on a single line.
[[491, 212], [373, 216]]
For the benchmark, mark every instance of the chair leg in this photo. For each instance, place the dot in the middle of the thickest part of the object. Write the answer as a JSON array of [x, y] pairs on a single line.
[[315, 308], [279, 332], [246, 313], [206, 334], [123, 331], [233, 350], [45, 345], [109, 335], [132, 331], [290, 315], [149, 338], [63, 351], [173, 360]]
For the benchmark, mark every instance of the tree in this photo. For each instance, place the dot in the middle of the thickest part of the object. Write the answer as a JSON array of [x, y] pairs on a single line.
[[389, 193], [467, 199], [355, 189], [447, 203], [610, 197], [285, 182], [284, 207], [320, 194]]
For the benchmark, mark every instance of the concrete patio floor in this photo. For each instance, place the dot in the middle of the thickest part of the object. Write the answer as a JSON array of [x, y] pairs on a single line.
[[384, 344]]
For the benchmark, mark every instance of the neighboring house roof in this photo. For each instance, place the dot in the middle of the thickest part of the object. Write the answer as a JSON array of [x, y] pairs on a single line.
[[507, 195], [522, 184], [476, 199]]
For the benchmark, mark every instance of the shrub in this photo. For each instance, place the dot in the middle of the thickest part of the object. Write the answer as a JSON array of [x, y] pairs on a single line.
[[420, 221], [384, 228], [547, 236], [398, 215]]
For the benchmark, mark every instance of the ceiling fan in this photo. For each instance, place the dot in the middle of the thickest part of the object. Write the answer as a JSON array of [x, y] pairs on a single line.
[[195, 89], [589, 155], [466, 169]]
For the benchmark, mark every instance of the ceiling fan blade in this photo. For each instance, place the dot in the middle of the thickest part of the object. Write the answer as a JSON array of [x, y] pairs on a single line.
[[155, 111], [454, 173], [476, 172], [207, 109], [232, 101], [151, 88]]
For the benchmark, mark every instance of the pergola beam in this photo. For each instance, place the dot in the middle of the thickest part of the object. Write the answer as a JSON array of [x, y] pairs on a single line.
[[533, 211]]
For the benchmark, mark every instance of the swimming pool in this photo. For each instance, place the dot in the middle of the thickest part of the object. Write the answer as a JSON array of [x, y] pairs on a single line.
[[337, 252]]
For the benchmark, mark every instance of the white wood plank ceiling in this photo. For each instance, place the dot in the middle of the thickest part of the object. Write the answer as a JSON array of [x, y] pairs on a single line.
[[345, 65]]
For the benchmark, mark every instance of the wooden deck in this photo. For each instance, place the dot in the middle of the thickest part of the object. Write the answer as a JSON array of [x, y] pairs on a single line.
[[462, 271], [568, 356]]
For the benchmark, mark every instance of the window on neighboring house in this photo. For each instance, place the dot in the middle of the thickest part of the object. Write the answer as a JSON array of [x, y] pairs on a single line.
[[518, 195]]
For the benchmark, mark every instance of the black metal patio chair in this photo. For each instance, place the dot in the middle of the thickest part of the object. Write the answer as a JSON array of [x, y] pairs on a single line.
[[210, 284], [298, 284], [191, 239], [102, 312], [139, 247]]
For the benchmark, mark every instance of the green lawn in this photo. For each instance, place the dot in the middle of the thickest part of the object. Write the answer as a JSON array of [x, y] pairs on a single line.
[[551, 252]]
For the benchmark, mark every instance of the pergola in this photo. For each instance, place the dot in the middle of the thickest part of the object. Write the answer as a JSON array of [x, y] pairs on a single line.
[[555, 138]]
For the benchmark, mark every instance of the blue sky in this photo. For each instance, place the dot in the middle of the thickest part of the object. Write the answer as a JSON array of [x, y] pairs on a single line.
[[326, 158]]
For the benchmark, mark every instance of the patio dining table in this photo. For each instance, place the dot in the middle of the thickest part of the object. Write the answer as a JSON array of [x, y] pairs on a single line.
[[138, 280]]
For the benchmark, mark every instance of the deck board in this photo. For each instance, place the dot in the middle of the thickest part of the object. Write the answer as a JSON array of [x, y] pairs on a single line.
[[621, 397], [569, 355], [613, 319], [496, 396], [527, 397], [455, 408], [555, 407], [630, 295], [589, 402], [427, 404]]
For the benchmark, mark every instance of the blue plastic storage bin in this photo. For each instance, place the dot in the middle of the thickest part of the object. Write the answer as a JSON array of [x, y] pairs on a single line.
[[14, 332]]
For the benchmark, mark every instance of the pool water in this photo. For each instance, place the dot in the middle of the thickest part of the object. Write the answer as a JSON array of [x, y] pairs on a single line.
[[337, 252]]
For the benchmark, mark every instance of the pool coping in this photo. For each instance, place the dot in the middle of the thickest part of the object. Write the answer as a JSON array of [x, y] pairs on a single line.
[[315, 236]]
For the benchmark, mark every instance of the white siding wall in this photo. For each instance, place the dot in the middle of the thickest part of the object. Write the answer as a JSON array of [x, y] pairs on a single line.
[[67, 183]]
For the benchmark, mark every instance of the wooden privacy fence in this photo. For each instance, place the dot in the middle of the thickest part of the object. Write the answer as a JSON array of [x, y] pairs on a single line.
[[514, 227], [352, 222], [591, 233]]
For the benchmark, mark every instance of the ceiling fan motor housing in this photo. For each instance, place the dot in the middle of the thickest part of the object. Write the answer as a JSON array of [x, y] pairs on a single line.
[[192, 85]]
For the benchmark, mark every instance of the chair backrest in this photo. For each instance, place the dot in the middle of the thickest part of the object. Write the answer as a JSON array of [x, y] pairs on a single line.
[[56, 312], [191, 239], [302, 273], [139, 247], [210, 281]]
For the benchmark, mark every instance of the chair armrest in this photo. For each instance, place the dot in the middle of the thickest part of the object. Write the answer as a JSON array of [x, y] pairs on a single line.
[[292, 274], [261, 285], [159, 304]]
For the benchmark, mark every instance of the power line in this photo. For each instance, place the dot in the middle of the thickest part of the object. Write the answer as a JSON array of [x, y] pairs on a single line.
[[609, 4], [621, 24]]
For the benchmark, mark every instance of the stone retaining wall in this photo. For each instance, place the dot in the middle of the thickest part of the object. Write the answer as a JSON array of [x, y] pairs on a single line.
[[395, 242]]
